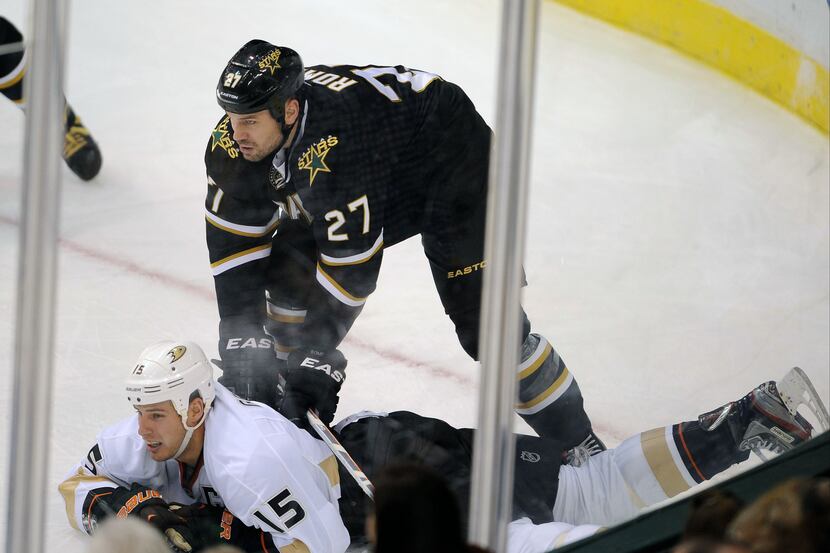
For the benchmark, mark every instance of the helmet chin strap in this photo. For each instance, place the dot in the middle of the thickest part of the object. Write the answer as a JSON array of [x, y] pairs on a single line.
[[189, 432], [285, 130]]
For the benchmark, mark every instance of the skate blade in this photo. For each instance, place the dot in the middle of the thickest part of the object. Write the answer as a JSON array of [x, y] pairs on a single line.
[[796, 389]]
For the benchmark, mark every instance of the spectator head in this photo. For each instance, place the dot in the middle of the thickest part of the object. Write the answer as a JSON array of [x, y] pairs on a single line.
[[793, 517], [414, 512], [706, 545], [711, 512]]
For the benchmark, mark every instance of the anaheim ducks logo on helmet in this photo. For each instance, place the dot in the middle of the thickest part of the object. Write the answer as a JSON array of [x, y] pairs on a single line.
[[176, 353]]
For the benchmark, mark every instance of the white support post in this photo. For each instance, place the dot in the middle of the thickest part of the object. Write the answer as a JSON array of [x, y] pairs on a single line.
[[34, 329], [492, 479]]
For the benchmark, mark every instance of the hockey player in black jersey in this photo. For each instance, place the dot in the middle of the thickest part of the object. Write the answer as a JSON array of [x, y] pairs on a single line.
[[312, 173], [80, 151]]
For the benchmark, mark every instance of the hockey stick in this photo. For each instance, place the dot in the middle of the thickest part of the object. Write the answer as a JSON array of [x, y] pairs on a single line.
[[340, 452]]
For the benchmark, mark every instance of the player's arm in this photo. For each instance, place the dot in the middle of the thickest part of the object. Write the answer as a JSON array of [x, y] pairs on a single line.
[[348, 230], [238, 233], [83, 487], [92, 495]]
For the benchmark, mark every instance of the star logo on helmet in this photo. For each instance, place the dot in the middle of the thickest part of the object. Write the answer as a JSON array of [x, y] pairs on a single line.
[[176, 353], [314, 158], [271, 62]]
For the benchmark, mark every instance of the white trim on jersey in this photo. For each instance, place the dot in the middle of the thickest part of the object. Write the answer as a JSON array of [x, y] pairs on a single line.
[[240, 258], [355, 259], [333, 288], [243, 230], [284, 314], [217, 198], [15, 73]]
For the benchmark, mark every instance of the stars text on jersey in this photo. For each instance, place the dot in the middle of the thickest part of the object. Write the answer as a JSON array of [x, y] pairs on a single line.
[[314, 158], [222, 138]]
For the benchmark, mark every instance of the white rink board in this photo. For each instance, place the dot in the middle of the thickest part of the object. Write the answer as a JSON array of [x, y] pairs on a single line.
[[677, 246]]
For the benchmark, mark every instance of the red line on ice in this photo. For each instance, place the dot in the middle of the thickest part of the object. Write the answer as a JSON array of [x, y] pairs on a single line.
[[204, 293]]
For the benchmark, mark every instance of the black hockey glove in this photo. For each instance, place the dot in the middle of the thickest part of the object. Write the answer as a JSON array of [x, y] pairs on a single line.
[[148, 505], [249, 365], [312, 381], [216, 525]]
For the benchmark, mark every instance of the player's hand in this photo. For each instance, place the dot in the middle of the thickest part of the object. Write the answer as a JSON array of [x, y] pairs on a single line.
[[147, 504], [250, 366], [205, 521], [312, 381], [217, 525], [174, 527]]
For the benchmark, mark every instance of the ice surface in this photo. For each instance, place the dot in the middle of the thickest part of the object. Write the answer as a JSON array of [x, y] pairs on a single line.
[[677, 248]]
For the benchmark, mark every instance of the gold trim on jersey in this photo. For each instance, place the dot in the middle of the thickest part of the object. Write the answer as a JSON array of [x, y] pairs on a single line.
[[283, 351], [283, 348], [243, 230], [355, 259], [295, 546], [14, 80], [241, 258], [661, 462], [285, 318], [336, 290], [68, 487], [284, 315], [329, 466]]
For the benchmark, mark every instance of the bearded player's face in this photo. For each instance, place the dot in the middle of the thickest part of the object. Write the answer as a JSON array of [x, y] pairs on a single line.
[[161, 428], [258, 134]]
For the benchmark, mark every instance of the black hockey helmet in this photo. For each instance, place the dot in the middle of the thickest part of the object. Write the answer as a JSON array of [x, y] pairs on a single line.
[[260, 76]]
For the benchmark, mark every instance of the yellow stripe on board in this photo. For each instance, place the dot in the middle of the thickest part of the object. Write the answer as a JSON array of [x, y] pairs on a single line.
[[727, 42]]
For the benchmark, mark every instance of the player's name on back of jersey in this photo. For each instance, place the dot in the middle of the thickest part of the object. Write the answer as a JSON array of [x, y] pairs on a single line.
[[329, 80]]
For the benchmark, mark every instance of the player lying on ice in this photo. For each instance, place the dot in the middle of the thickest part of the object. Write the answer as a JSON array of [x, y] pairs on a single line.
[[206, 467]]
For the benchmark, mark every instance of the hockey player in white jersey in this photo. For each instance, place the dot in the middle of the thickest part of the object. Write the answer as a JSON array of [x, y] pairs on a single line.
[[193, 441], [205, 467]]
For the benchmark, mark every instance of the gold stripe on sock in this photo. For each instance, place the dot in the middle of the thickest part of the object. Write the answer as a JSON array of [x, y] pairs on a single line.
[[661, 462]]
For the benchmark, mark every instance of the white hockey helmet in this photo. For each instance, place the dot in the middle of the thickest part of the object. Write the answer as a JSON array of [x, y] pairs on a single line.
[[172, 371]]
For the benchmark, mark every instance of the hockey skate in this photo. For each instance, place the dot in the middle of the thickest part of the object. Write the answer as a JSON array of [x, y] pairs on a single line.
[[80, 151], [767, 418]]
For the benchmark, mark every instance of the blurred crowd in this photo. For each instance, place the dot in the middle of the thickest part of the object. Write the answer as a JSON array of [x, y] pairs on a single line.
[[416, 512], [793, 516]]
